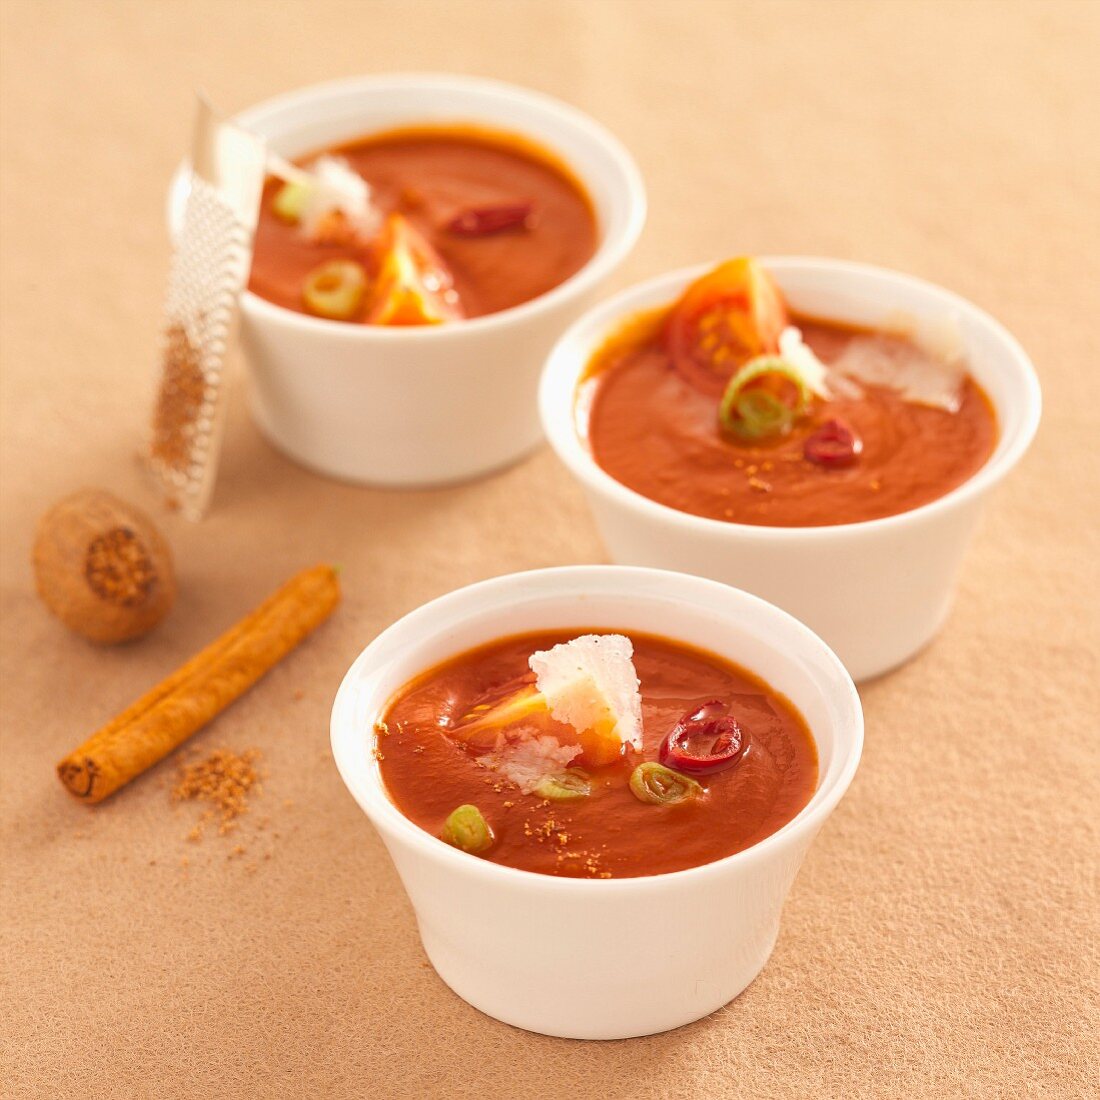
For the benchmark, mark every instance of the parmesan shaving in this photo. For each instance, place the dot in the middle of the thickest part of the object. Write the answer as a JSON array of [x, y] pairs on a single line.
[[800, 356], [924, 375], [590, 684], [333, 186], [527, 763]]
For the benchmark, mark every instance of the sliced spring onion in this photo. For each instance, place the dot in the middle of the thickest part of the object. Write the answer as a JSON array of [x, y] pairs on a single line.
[[564, 786], [335, 290], [465, 828], [653, 782], [759, 413], [290, 201]]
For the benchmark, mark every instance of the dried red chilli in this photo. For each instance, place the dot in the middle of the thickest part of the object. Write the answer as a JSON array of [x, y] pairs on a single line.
[[833, 445], [483, 221], [721, 735]]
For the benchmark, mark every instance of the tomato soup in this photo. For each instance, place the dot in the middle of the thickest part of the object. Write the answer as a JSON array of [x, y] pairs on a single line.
[[493, 218], [622, 816], [903, 428]]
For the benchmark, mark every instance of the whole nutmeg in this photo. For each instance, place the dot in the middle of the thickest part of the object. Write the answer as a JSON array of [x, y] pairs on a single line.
[[102, 567]]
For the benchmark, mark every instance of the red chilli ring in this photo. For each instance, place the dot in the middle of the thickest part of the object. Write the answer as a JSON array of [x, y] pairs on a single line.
[[834, 445], [719, 732], [484, 221]]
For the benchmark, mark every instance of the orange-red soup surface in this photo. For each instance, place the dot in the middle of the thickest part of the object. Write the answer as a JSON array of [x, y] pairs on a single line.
[[430, 175], [657, 434], [610, 834]]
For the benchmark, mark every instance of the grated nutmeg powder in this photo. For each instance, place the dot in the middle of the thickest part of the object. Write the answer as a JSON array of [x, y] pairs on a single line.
[[225, 780]]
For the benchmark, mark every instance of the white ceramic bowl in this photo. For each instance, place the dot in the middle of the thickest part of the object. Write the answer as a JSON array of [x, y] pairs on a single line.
[[435, 404], [582, 958], [876, 591]]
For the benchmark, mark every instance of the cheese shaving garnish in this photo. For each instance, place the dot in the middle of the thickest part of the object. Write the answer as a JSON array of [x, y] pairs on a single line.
[[526, 763], [333, 186], [590, 684], [800, 356], [922, 375]]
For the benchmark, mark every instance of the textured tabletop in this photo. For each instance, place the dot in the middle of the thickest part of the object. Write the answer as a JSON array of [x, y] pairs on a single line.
[[941, 937]]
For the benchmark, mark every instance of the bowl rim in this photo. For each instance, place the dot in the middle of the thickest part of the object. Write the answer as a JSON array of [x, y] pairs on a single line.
[[559, 425], [366, 786], [612, 249]]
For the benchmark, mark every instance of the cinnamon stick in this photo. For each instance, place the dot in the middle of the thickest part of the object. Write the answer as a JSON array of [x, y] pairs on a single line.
[[163, 718]]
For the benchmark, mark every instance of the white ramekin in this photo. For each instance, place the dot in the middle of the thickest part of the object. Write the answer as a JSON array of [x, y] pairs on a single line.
[[435, 404], [599, 959], [876, 591]]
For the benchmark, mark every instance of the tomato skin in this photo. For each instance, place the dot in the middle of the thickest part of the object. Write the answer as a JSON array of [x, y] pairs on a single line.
[[411, 285], [725, 318]]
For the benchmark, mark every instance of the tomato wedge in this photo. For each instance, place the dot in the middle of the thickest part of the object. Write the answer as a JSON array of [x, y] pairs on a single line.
[[729, 316], [412, 285]]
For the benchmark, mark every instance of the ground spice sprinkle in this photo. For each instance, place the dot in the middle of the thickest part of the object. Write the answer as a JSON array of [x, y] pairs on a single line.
[[224, 779], [180, 401]]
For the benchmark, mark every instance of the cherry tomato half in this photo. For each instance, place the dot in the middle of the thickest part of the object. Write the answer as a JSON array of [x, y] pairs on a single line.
[[729, 316], [412, 285]]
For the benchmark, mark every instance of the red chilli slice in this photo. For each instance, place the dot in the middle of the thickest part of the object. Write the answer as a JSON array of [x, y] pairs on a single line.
[[721, 739], [834, 445], [483, 221]]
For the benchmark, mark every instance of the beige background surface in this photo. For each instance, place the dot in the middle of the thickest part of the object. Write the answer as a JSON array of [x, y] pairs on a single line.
[[941, 939]]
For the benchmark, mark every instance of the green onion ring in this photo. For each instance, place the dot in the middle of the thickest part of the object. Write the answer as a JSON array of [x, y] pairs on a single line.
[[466, 829], [757, 414], [564, 786], [654, 783], [290, 200], [335, 290]]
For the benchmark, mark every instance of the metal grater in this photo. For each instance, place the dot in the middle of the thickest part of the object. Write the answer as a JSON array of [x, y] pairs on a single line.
[[210, 266]]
